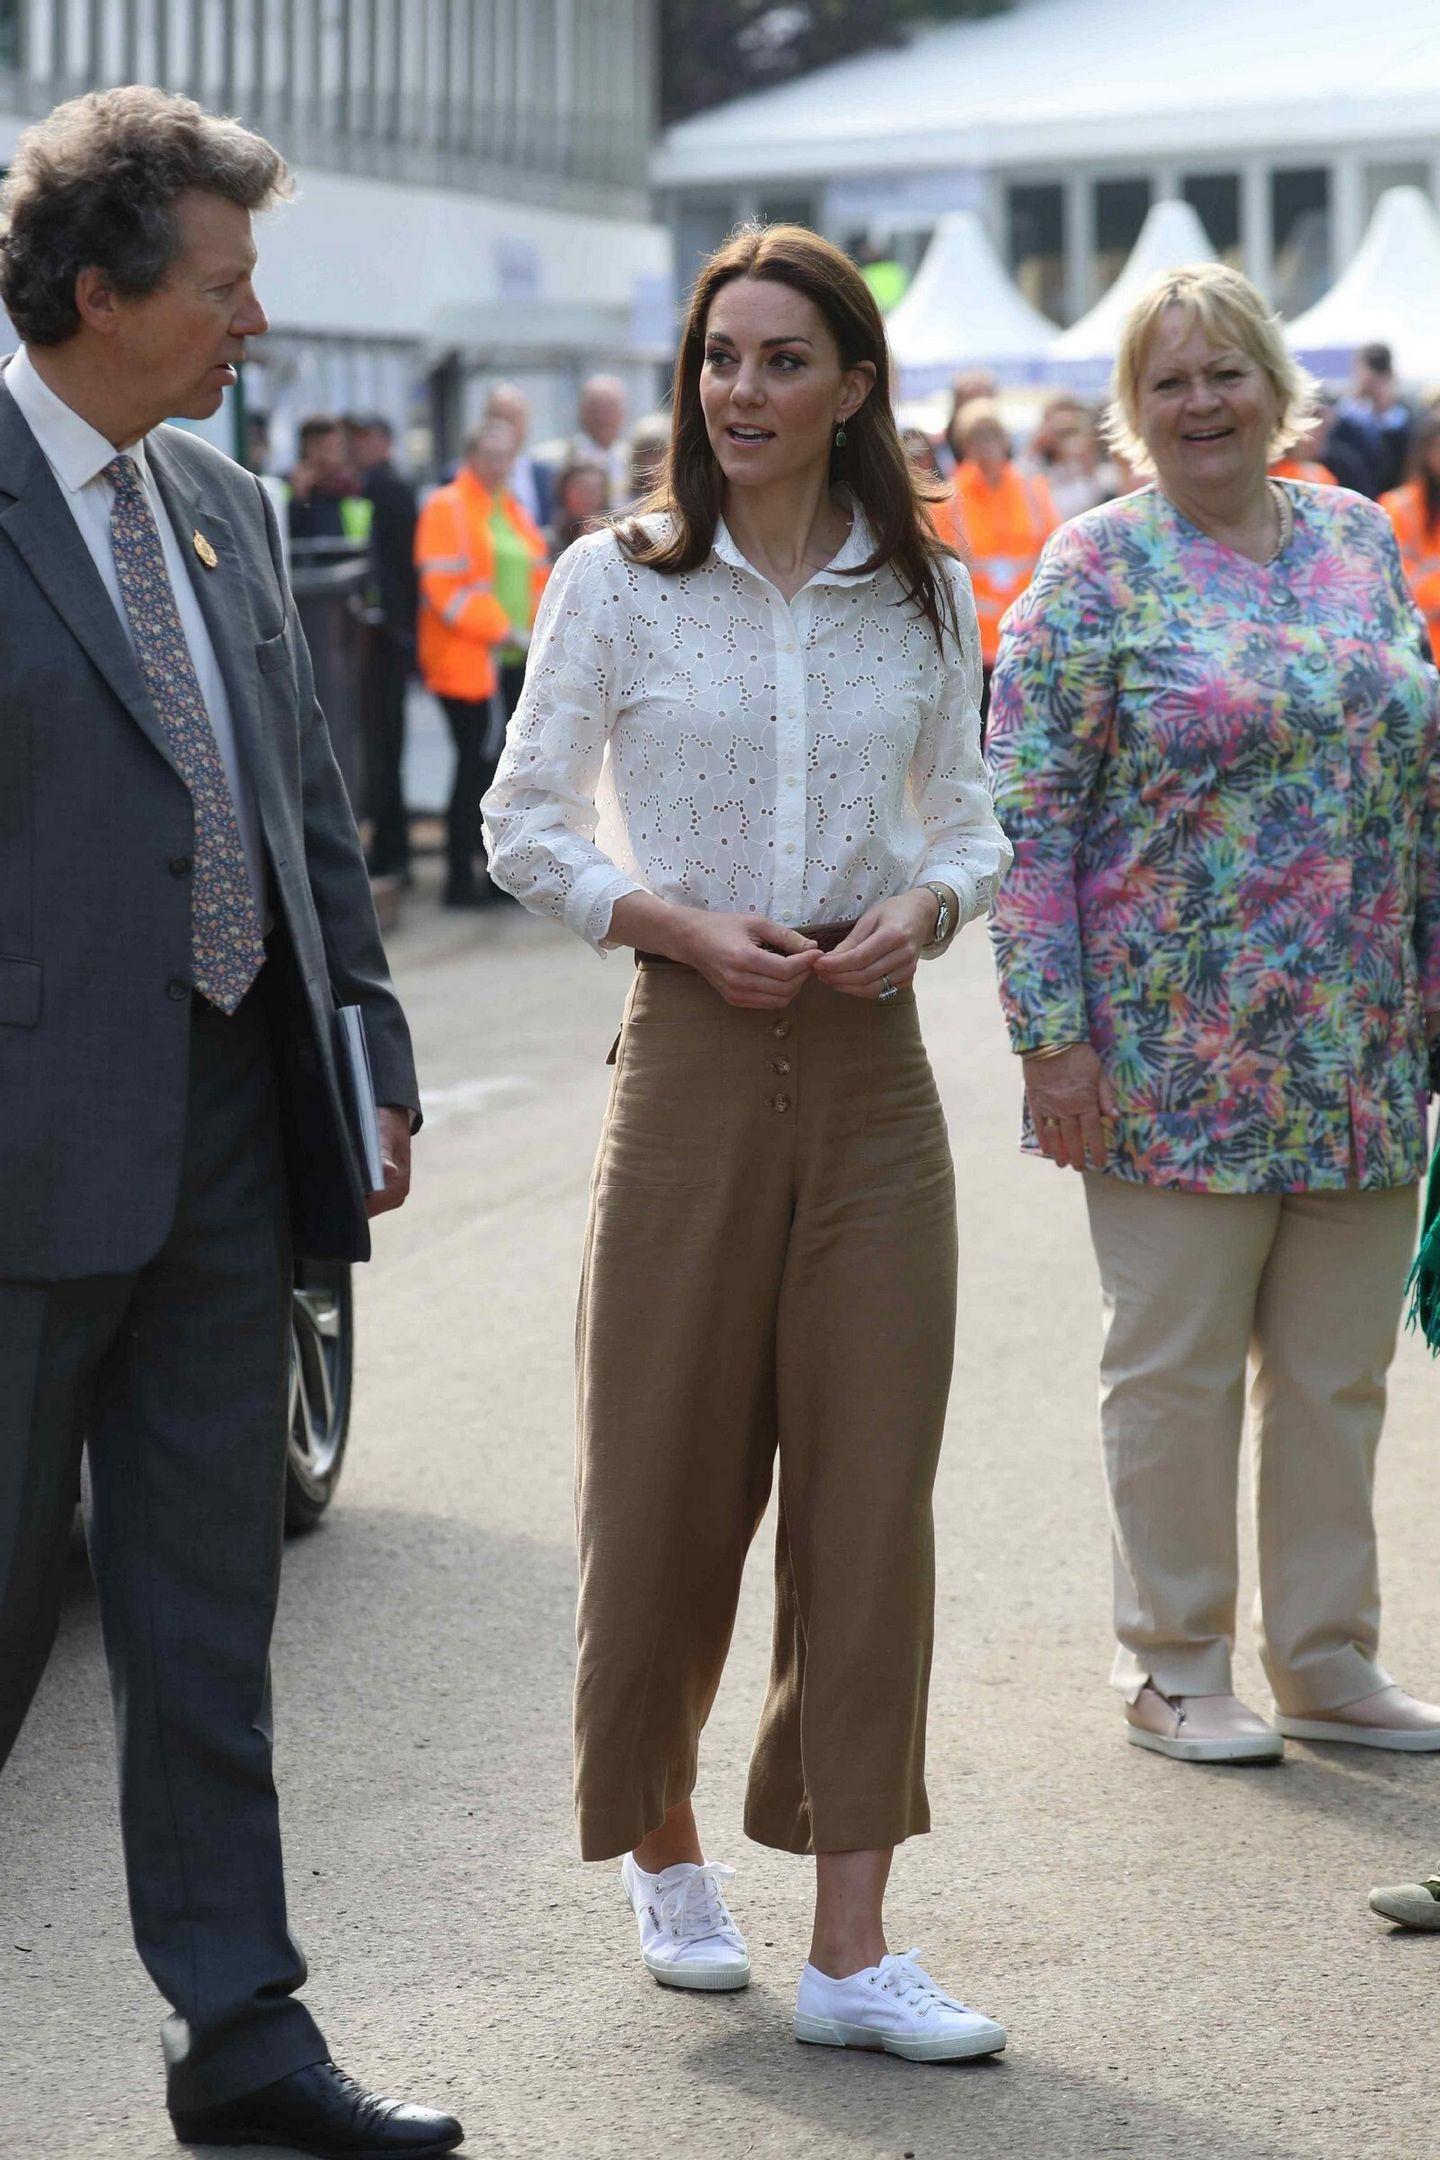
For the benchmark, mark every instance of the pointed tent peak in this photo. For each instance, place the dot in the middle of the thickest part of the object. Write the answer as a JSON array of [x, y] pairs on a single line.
[[1171, 237], [963, 310], [1390, 293]]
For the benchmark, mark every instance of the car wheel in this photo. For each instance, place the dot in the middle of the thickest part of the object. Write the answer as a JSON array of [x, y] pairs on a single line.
[[322, 1359]]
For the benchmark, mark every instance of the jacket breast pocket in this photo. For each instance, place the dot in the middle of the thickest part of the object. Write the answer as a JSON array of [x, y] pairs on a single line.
[[20, 982], [273, 654]]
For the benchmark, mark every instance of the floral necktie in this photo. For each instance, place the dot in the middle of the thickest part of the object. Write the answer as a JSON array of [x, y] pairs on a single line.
[[226, 950]]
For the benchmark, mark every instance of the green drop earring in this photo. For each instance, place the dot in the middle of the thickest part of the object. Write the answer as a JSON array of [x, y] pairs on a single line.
[[840, 437]]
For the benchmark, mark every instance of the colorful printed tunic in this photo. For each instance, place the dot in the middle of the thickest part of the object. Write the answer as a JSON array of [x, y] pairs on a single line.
[[1220, 780]]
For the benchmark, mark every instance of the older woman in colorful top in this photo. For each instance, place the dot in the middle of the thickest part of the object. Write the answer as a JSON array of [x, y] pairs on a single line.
[[1214, 737]]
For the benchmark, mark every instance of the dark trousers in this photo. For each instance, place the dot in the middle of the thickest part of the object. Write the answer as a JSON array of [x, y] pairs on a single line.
[[474, 770], [177, 1377], [390, 827]]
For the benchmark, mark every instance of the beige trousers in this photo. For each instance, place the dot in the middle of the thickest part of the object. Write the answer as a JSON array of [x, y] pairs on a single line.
[[1308, 1286], [770, 1271]]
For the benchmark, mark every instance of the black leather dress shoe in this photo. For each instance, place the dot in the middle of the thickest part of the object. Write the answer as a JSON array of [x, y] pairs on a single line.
[[322, 2111]]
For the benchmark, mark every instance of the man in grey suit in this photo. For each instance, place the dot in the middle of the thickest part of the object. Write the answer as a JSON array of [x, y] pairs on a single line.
[[183, 906]]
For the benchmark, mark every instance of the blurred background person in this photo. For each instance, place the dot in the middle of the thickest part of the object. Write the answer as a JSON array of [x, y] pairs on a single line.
[[532, 481], [1414, 511], [1305, 459], [580, 492], [649, 448], [1373, 422], [322, 497], [1214, 745], [1078, 473], [997, 519], [921, 452], [599, 438], [965, 388], [257, 442], [394, 599], [482, 566]]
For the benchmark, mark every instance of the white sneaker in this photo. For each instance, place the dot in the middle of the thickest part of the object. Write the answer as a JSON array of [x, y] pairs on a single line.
[[687, 1937], [894, 2005]]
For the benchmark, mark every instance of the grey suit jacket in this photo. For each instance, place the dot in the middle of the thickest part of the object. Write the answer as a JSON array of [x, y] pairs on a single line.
[[95, 835]]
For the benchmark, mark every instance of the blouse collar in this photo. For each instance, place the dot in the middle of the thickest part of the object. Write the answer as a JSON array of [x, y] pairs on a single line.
[[858, 544]]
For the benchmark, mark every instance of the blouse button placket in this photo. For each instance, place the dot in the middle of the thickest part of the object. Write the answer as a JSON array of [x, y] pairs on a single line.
[[791, 733]]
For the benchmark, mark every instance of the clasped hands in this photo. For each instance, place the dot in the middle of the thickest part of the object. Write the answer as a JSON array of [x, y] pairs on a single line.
[[762, 966]]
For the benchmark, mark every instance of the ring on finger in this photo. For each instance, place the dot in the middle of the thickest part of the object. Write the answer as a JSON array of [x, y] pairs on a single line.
[[887, 990]]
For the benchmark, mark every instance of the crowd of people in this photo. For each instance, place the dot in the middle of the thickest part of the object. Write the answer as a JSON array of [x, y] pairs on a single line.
[[455, 578]]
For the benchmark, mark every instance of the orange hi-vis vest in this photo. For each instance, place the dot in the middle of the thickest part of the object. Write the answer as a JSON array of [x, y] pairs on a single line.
[[1299, 468], [1419, 552], [998, 533], [461, 622]]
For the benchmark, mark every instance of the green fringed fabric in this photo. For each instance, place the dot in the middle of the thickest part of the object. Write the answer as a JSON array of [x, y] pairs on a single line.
[[1424, 1283]]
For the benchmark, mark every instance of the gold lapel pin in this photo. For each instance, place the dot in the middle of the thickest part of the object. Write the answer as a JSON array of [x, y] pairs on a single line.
[[204, 550]]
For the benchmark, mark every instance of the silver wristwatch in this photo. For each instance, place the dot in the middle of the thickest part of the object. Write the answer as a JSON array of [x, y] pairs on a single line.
[[944, 922]]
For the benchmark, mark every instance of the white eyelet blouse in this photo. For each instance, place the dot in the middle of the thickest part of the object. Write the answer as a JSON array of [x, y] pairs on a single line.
[[699, 738]]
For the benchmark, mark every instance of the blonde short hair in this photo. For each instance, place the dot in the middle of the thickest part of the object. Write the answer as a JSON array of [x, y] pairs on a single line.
[[975, 413], [1230, 311]]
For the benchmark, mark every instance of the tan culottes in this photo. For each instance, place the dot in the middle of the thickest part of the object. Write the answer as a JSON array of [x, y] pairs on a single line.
[[769, 1269], [1308, 1286]]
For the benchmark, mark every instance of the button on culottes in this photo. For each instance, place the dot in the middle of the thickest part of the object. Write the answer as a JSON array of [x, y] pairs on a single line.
[[769, 1274]]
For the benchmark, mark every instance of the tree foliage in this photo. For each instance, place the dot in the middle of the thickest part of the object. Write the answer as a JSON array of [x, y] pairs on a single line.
[[711, 50]]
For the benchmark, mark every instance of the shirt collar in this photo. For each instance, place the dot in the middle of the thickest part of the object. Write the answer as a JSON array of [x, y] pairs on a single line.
[[75, 452], [858, 545]]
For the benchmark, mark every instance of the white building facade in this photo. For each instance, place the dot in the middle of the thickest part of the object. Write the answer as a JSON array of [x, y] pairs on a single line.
[[1062, 121], [473, 195]]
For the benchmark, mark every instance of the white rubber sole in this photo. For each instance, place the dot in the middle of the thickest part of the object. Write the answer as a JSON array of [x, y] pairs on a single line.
[[1422, 1913], [1265, 1747], [1375, 1736], [829, 2032], [713, 1979]]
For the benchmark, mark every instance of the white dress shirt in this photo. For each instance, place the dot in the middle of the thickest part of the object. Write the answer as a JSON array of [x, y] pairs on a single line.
[[77, 454], [702, 739]]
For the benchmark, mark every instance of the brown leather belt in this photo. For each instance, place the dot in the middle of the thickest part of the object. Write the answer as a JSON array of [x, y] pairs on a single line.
[[826, 935]]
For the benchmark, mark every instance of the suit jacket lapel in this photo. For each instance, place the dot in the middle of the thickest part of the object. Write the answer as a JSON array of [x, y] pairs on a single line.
[[36, 518]]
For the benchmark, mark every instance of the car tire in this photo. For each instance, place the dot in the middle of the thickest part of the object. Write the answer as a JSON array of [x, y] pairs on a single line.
[[322, 1364]]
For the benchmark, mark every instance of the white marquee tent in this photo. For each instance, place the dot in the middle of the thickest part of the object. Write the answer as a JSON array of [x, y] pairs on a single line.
[[1171, 236], [1389, 292], [962, 310]]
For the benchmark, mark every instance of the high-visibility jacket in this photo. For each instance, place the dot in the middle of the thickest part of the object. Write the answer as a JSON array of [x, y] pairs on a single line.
[[1419, 551], [998, 533], [460, 621], [1299, 468]]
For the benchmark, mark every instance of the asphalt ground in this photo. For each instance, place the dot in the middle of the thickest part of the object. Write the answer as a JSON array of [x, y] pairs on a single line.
[[1182, 1955]]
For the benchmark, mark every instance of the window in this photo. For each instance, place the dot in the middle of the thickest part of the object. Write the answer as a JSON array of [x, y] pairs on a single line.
[[9, 33], [1035, 222], [1300, 217], [1378, 178], [1121, 207], [1215, 199]]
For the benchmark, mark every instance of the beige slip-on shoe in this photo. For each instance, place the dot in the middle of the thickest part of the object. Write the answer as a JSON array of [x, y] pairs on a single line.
[[1387, 1719], [1409, 1904], [1200, 1728]]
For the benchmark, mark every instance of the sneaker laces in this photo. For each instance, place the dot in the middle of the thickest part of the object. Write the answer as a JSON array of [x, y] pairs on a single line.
[[901, 1974], [695, 1906]]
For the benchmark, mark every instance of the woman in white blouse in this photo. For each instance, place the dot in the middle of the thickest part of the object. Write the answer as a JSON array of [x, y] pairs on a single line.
[[749, 748]]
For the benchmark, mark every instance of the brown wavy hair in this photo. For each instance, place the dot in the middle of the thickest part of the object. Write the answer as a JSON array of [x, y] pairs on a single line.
[[872, 463]]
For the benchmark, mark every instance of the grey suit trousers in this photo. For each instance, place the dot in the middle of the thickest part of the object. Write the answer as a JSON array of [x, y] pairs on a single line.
[[177, 1376]]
